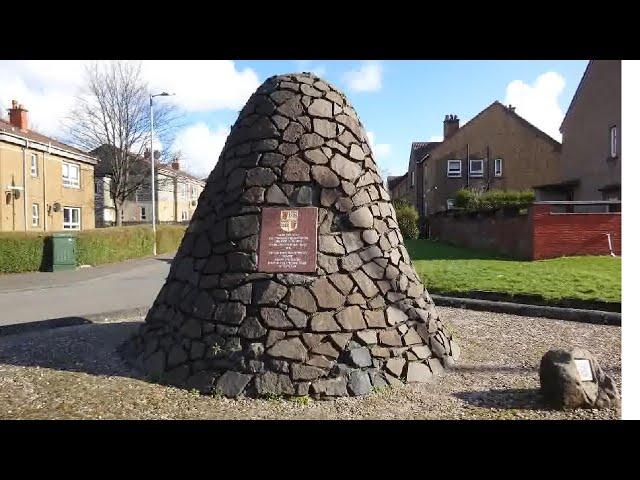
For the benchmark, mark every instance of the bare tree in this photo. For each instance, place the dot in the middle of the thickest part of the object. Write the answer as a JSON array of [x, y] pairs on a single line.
[[111, 118]]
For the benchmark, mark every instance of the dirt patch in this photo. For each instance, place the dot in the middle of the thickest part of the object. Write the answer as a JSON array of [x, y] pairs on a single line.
[[75, 372]]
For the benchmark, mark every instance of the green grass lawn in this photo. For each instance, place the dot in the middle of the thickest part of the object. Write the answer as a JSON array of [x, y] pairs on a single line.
[[445, 268]]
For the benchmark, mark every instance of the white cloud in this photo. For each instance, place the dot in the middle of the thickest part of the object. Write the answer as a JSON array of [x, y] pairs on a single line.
[[308, 66], [379, 149], [538, 103], [201, 85], [367, 78], [200, 147], [47, 87]]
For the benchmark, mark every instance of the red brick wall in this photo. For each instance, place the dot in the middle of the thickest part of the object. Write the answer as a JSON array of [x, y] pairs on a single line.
[[538, 235], [558, 234], [509, 235]]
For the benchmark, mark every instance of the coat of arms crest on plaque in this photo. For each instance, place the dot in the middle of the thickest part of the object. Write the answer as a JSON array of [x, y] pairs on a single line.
[[289, 220]]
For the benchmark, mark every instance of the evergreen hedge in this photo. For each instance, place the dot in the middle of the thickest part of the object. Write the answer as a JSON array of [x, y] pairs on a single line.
[[21, 252], [472, 201], [29, 252]]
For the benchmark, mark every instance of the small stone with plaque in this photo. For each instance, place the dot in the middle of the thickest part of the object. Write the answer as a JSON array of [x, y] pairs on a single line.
[[574, 379]]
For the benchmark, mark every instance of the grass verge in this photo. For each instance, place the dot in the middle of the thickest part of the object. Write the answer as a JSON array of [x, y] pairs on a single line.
[[445, 268]]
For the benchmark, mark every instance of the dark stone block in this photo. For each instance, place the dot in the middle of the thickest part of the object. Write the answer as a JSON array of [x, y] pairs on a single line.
[[268, 292], [231, 384], [359, 383], [243, 226], [232, 312]]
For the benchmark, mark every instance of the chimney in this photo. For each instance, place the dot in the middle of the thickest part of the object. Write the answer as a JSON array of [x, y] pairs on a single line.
[[175, 165], [511, 108], [451, 125], [18, 116]]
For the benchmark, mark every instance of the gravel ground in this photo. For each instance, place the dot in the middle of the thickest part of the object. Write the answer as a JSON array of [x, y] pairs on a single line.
[[75, 373]]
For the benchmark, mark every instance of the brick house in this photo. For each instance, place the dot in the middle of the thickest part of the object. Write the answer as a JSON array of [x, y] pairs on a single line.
[[496, 149], [591, 132], [398, 187], [415, 174], [46, 185]]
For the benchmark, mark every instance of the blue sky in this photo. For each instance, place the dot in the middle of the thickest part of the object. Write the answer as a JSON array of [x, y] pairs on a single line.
[[398, 101], [413, 97]]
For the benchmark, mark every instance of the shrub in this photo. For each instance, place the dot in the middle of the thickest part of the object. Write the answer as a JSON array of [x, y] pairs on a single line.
[[115, 244], [465, 199], [169, 237], [407, 216], [472, 201], [21, 252], [30, 252]]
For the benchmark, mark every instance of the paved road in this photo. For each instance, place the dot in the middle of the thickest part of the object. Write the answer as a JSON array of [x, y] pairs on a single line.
[[45, 295]]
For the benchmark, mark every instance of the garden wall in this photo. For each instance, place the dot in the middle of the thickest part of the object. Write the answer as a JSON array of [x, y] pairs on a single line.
[[508, 235], [540, 233], [568, 234]]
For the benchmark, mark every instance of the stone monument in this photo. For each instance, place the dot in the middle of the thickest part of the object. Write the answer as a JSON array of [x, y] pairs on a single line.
[[292, 277]]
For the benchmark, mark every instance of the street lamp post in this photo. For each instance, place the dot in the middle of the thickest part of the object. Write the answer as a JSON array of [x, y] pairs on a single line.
[[153, 171]]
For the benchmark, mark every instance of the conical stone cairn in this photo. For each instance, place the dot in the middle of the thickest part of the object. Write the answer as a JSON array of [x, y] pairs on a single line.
[[292, 277]]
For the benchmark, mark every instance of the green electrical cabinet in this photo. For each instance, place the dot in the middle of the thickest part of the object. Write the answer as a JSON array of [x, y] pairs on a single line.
[[64, 252]]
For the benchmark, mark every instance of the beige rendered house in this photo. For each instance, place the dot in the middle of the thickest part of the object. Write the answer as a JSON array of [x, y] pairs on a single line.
[[46, 185], [177, 194]]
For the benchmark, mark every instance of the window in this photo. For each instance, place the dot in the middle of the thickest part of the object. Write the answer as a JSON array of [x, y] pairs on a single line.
[[450, 203], [183, 191], [143, 213], [35, 215], [34, 165], [613, 141], [71, 218], [476, 168], [185, 215], [454, 168], [497, 167], [413, 178], [70, 175]]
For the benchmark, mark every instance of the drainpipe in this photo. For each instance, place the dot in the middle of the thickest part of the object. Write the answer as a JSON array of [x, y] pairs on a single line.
[[24, 181], [610, 247], [45, 212], [468, 168]]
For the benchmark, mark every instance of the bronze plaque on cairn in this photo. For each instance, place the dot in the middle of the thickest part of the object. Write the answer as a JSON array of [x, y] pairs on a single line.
[[288, 240]]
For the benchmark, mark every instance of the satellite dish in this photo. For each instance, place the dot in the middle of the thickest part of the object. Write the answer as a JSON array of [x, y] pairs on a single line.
[[56, 207]]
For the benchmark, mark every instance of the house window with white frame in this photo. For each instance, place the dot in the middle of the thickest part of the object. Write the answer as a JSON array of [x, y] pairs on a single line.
[[183, 191], [185, 215], [613, 141], [143, 213], [476, 168], [70, 175], [413, 178], [450, 203], [71, 218], [497, 167], [34, 164], [454, 168], [35, 215]]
